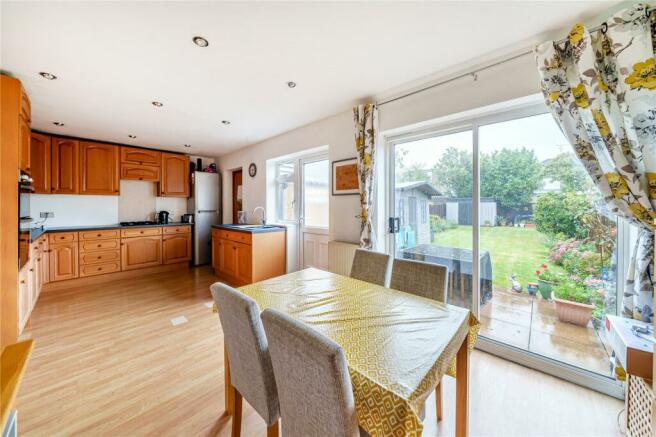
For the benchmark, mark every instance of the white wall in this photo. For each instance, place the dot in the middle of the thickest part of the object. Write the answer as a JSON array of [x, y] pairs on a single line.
[[508, 81], [75, 210]]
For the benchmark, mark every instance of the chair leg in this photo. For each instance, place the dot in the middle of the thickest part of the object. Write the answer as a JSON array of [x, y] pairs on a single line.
[[274, 430], [236, 413], [438, 401]]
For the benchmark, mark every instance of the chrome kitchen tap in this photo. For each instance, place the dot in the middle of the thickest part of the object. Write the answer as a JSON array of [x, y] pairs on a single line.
[[263, 214]]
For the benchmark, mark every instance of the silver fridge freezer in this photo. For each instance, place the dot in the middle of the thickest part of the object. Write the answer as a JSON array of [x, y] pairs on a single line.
[[205, 205]]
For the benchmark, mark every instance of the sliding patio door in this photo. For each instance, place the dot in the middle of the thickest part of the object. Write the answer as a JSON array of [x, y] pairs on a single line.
[[504, 203]]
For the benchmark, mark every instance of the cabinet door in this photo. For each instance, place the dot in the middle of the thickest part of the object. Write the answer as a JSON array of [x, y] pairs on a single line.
[[140, 252], [99, 168], [23, 298], [244, 262], [63, 261], [35, 280], [40, 162], [45, 256], [176, 248], [216, 253], [24, 142], [138, 172], [228, 258], [175, 175], [65, 166], [135, 155]]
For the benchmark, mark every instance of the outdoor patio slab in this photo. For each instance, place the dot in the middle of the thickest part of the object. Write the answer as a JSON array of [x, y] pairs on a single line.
[[531, 323]]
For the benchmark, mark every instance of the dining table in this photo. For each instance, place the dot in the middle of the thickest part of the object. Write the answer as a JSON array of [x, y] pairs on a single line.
[[397, 345]]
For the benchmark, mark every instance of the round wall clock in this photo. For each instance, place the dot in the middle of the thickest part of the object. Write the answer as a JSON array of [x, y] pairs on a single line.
[[252, 170]]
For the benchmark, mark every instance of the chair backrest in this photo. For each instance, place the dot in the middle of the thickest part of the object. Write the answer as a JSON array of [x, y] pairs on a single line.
[[251, 372], [314, 386], [420, 278], [370, 266]]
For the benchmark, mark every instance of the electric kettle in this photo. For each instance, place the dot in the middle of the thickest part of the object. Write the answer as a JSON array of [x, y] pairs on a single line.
[[163, 217]]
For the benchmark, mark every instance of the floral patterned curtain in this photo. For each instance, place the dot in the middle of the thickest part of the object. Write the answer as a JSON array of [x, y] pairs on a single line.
[[601, 89], [365, 118]]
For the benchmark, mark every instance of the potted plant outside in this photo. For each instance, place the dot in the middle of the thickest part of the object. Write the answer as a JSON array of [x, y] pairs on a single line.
[[574, 303], [546, 281]]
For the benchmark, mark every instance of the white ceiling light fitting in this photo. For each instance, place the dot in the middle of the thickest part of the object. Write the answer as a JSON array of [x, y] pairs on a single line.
[[200, 41], [158, 104], [58, 123], [291, 84], [225, 122], [187, 145], [132, 136], [47, 75]]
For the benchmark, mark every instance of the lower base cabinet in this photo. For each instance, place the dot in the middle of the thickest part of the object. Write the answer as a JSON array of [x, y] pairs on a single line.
[[141, 252], [176, 248], [63, 261]]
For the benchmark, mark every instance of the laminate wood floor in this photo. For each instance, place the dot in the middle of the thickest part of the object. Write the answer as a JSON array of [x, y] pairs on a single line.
[[109, 361]]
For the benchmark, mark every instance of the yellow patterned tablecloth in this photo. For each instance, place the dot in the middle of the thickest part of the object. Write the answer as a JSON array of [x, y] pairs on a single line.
[[397, 345]]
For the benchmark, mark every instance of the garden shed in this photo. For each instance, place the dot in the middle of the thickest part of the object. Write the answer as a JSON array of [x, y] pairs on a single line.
[[412, 206], [459, 210]]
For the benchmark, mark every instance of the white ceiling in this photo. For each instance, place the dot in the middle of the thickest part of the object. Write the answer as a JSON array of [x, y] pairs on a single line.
[[113, 59]]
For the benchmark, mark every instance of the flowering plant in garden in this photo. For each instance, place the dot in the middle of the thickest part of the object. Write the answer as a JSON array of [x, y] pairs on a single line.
[[561, 248], [544, 274]]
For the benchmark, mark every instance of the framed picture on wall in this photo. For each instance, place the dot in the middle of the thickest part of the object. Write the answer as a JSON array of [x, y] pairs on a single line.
[[345, 177]]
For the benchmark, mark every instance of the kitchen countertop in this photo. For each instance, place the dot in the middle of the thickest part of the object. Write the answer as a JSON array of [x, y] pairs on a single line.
[[259, 230], [37, 232]]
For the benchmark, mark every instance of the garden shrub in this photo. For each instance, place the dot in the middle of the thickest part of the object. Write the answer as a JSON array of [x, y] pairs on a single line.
[[562, 213], [439, 224]]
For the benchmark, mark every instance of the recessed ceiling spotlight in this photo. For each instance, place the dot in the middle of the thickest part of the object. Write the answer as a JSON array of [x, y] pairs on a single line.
[[200, 41], [226, 122], [48, 76], [132, 136], [158, 104], [291, 84], [187, 145], [58, 123]]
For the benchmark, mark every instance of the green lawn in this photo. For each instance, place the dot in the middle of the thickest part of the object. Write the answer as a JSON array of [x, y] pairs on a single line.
[[513, 250]]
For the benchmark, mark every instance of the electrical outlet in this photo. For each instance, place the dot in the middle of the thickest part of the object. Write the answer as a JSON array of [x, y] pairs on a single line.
[[46, 214]]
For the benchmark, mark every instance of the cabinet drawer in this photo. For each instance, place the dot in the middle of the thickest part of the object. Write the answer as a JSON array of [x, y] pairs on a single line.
[[100, 269], [176, 229], [100, 257], [63, 237], [97, 245], [99, 234], [240, 237], [140, 232], [140, 172]]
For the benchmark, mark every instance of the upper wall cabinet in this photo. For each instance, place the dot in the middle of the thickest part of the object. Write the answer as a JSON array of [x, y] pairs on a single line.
[[134, 155], [40, 157], [99, 168], [65, 157], [175, 175], [25, 120]]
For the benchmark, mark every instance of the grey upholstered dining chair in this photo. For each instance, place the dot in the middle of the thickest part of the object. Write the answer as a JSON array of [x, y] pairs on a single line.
[[426, 280], [314, 386], [370, 266], [251, 372]]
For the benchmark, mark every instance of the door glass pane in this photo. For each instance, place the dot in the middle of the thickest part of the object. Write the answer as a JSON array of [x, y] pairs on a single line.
[[433, 196], [285, 191], [315, 193], [544, 229]]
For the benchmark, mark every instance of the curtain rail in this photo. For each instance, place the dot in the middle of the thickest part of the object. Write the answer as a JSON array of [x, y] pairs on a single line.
[[473, 73]]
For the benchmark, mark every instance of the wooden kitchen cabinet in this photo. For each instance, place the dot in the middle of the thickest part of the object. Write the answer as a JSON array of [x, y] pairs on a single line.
[[176, 248], [65, 159], [99, 168], [135, 155], [23, 300], [241, 258], [40, 162], [63, 261], [137, 172], [140, 252], [24, 137], [175, 175]]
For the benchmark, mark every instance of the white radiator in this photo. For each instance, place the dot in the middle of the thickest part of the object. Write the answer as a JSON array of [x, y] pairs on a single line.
[[340, 257]]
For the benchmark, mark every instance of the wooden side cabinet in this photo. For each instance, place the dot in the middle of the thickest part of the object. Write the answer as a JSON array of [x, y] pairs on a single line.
[[40, 162], [176, 248], [65, 166], [99, 168], [175, 175], [63, 258], [140, 252]]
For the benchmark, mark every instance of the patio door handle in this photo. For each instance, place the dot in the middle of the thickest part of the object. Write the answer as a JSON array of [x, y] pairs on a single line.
[[394, 225]]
